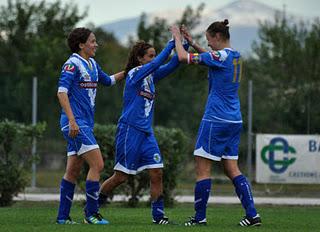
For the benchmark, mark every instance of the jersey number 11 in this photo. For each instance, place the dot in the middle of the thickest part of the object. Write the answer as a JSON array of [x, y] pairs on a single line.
[[237, 70]]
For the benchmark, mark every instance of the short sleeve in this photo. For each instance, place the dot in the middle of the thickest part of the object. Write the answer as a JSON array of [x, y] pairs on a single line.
[[66, 77], [211, 59]]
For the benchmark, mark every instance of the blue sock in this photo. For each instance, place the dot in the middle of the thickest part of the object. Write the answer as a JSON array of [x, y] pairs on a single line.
[[157, 209], [92, 194], [244, 193], [201, 196], [66, 197]]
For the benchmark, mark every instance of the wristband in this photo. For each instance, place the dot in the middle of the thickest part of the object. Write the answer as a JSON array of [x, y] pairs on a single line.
[[113, 79]]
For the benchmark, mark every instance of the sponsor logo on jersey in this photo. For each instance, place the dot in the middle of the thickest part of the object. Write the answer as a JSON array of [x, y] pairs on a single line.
[[88, 84], [69, 68], [215, 55], [147, 95]]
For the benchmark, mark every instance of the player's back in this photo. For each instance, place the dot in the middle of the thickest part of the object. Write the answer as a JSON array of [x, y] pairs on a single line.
[[223, 100]]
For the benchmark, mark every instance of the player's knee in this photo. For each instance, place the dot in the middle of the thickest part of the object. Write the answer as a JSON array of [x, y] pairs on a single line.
[[202, 174], [72, 173], [97, 167], [100, 167], [232, 173]]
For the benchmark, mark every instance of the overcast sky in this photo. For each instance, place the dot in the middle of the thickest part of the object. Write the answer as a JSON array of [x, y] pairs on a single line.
[[104, 11]]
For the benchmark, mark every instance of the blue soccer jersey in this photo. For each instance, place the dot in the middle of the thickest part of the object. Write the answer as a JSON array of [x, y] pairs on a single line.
[[139, 92], [79, 79], [224, 76]]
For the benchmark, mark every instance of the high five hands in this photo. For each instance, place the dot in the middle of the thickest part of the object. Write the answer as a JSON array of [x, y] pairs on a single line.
[[181, 32]]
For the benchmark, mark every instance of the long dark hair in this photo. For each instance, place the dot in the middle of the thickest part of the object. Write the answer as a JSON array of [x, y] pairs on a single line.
[[138, 50], [77, 36], [220, 27]]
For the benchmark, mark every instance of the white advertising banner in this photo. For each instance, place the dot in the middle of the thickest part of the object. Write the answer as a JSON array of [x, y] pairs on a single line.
[[288, 159]]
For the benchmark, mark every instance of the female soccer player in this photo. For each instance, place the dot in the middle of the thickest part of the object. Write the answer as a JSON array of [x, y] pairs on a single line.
[[219, 132], [136, 145], [76, 93]]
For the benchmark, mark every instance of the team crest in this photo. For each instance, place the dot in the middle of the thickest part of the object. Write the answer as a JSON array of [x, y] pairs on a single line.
[[86, 77], [156, 157]]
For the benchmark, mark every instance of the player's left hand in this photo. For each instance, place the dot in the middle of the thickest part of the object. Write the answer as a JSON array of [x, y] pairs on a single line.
[[175, 32], [184, 31]]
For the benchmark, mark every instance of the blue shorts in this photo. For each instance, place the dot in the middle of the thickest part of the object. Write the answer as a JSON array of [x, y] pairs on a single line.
[[136, 150], [82, 143], [218, 140]]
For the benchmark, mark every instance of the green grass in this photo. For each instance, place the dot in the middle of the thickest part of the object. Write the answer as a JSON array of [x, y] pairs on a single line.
[[40, 216]]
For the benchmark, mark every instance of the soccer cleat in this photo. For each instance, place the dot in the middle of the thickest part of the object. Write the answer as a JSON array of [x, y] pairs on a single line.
[[193, 222], [255, 221], [103, 199], [163, 221], [96, 219], [67, 221]]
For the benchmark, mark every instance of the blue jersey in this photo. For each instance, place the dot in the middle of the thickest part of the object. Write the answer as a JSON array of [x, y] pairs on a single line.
[[224, 76], [139, 92], [79, 79]]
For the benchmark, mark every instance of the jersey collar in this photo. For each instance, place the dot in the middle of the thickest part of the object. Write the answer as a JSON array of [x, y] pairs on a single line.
[[90, 65]]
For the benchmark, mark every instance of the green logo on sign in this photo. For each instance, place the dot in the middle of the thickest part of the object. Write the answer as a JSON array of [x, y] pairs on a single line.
[[268, 155]]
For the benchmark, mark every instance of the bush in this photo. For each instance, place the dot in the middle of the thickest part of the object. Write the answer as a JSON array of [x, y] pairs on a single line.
[[15, 157], [172, 143]]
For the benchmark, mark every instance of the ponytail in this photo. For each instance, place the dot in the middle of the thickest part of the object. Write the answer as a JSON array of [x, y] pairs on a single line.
[[220, 27]]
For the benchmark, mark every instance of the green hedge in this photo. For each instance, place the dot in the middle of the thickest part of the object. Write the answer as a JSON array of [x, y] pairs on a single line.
[[15, 157], [173, 146]]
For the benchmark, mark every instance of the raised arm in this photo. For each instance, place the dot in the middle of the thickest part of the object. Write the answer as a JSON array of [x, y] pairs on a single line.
[[210, 59], [182, 53], [186, 34], [149, 68], [169, 67]]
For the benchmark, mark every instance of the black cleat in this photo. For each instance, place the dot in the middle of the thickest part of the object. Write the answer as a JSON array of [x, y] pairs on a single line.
[[246, 221], [193, 222], [162, 221], [95, 219]]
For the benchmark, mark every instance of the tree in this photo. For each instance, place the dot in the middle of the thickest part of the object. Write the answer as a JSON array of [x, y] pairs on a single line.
[[285, 71], [181, 96], [112, 57], [33, 43]]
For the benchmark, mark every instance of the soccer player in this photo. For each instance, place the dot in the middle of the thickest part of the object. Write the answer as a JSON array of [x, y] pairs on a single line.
[[219, 133], [78, 82], [136, 145]]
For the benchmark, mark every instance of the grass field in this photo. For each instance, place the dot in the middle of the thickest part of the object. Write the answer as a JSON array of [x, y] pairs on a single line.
[[40, 216]]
